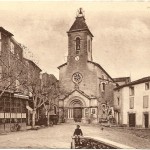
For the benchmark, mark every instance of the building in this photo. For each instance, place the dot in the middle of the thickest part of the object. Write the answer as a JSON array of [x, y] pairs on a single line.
[[131, 103], [13, 74], [13, 71], [33, 76], [31, 88], [87, 87], [122, 80]]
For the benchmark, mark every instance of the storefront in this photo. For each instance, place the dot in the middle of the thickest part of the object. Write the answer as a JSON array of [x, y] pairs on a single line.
[[12, 111]]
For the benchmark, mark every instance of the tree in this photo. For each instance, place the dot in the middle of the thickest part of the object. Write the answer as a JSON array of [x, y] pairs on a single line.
[[52, 94], [13, 71], [33, 87]]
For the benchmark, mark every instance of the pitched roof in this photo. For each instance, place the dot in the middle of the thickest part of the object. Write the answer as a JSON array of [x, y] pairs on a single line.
[[98, 65], [5, 31], [33, 63], [142, 80], [120, 79], [79, 25], [61, 65], [81, 92], [94, 64]]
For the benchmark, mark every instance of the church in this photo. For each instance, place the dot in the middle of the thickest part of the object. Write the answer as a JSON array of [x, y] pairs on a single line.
[[87, 86]]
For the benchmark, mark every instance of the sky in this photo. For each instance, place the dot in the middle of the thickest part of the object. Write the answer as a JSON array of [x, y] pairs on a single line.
[[121, 43]]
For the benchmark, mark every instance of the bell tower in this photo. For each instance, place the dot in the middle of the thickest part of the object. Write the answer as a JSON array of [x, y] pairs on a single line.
[[79, 41]]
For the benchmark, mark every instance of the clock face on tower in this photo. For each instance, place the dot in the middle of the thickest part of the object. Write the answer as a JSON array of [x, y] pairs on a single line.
[[77, 58], [77, 77]]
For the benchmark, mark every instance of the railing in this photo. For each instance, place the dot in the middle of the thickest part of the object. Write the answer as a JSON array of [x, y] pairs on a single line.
[[96, 143]]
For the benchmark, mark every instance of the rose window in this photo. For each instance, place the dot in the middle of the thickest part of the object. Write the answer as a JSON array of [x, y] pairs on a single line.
[[77, 77]]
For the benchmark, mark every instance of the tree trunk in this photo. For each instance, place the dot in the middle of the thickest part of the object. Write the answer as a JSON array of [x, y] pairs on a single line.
[[33, 118], [48, 118]]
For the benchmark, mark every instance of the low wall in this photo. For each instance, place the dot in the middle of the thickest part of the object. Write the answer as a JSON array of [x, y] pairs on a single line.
[[97, 143]]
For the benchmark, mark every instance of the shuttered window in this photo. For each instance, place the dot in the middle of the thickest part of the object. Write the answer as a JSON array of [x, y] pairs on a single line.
[[145, 101], [131, 91], [131, 103], [147, 86]]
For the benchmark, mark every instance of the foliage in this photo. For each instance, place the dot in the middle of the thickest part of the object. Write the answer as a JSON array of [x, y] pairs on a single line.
[[14, 72]]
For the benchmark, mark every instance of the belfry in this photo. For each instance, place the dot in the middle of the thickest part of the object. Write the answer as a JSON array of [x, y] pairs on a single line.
[[87, 86]]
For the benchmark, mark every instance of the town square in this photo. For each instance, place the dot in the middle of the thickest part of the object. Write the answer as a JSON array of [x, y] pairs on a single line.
[[74, 75]]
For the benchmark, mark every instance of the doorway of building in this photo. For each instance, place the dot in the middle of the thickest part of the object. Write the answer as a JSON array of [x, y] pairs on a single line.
[[132, 120], [146, 120], [77, 114]]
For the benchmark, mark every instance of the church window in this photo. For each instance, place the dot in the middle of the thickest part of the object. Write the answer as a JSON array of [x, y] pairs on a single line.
[[77, 45], [77, 77], [103, 86]]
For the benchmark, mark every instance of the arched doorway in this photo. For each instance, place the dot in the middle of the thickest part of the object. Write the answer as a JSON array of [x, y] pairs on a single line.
[[77, 106]]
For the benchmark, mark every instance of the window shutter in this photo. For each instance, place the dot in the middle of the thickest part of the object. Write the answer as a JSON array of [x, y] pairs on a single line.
[[145, 101], [131, 102]]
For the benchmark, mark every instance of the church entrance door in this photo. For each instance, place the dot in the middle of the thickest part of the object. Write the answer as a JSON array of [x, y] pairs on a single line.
[[77, 114]]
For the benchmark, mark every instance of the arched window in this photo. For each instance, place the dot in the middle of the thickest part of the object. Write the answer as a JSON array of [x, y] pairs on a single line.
[[77, 45], [103, 86]]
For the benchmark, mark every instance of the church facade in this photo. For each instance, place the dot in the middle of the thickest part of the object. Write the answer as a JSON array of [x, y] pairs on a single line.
[[87, 86]]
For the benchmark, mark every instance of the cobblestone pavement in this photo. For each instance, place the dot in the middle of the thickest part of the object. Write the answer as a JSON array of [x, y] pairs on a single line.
[[59, 136]]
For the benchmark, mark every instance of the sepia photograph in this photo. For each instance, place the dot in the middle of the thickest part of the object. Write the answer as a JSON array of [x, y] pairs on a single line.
[[74, 75]]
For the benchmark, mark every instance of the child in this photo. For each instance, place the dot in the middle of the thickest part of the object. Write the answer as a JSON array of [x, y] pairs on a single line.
[[77, 134]]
